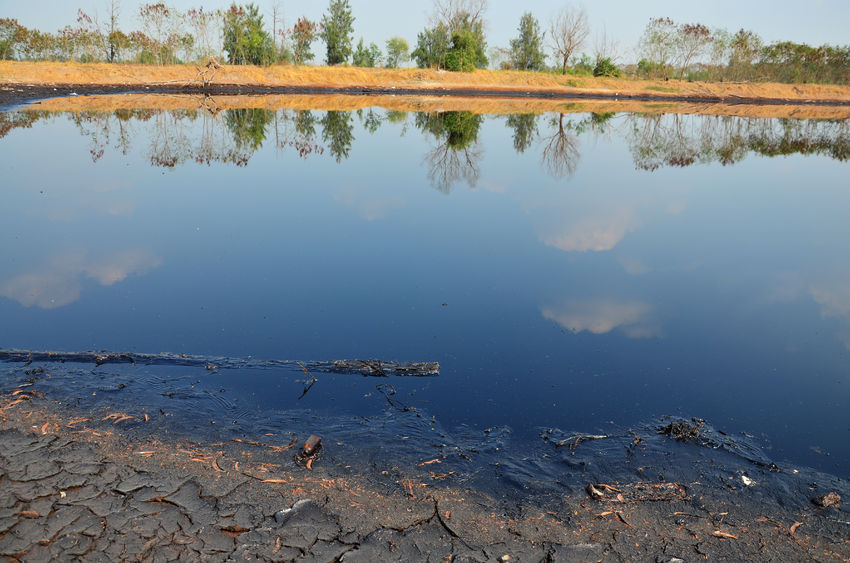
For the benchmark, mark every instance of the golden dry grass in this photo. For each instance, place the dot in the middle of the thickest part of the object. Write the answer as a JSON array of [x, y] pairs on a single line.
[[50, 73], [344, 102]]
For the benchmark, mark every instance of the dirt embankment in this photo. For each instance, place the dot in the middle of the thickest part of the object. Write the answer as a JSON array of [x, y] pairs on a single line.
[[76, 487], [483, 83]]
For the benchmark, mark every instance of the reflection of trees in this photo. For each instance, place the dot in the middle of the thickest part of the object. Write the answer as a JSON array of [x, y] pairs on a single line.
[[10, 120], [682, 140], [561, 155], [456, 156], [524, 126], [248, 126], [338, 132], [370, 120]]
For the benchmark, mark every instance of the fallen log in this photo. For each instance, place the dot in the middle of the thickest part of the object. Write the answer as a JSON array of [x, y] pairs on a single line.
[[367, 368]]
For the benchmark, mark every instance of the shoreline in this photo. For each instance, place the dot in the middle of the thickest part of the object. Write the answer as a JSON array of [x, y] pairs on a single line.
[[22, 79], [75, 485]]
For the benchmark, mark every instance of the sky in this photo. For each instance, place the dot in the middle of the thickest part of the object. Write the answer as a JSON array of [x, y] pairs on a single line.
[[804, 21]]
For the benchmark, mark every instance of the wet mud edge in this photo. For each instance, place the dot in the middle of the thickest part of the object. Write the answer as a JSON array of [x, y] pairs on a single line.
[[12, 95], [72, 487]]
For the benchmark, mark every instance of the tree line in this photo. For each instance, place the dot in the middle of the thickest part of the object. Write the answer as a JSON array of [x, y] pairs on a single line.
[[454, 39]]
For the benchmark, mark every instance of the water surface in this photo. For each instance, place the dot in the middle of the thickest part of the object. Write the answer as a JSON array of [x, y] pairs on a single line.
[[570, 271]]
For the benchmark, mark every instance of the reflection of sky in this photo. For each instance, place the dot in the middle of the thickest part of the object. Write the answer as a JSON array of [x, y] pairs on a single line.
[[57, 282], [692, 280]]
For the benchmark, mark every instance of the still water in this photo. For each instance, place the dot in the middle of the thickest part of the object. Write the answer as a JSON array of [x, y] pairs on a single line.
[[575, 271]]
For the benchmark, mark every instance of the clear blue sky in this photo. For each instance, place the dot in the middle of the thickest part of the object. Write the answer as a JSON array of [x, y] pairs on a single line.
[[805, 21]]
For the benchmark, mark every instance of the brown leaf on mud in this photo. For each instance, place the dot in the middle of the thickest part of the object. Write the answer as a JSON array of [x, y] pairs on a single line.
[[726, 535], [608, 488], [30, 514], [310, 464], [436, 460], [623, 520], [794, 527], [216, 466], [276, 545], [147, 418], [146, 453], [44, 428], [275, 481]]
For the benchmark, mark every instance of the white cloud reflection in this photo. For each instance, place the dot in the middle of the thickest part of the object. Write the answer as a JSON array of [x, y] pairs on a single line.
[[592, 233], [601, 316], [58, 282]]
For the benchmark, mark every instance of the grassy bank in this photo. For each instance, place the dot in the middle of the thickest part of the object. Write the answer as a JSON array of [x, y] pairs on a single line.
[[483, 81]]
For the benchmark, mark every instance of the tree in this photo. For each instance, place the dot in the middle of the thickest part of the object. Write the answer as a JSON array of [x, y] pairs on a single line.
[[155, 24], [205, 27], [11, 34], [527, 49], [461, 56], [454, 16], [245, 39], [431, 47], [366, 56], [397, 52], [568, 31], [658, 45], [303, 33], [337, 31], [693, 40]]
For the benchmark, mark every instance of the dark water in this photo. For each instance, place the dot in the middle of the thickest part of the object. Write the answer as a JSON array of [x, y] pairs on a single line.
[[575, 272]]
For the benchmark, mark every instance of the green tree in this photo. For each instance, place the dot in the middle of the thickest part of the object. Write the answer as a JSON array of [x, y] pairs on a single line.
[[431, 47], [337, 32], [397, 52], [366, 56], [461, 56], [527, 49], [245, 40]]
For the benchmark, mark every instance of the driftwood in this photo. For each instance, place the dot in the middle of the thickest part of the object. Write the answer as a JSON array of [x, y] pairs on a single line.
[[207, 72], [369, 368]]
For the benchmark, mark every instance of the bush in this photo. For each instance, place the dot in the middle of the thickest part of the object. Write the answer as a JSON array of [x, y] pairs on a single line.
[[606, 67]]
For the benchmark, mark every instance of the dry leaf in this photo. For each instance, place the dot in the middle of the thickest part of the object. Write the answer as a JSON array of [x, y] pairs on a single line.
[[719, 534], [795, 525]]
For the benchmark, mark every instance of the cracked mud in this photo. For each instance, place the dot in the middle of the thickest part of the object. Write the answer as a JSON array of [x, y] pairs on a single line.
[[71, 490]]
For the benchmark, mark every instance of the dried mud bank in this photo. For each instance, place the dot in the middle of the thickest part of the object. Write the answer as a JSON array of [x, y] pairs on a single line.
[[79, 487]]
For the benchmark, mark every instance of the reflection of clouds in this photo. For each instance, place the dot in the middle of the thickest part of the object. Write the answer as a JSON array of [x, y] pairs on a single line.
[[57, 283], [834, 301], [593, 233], [369, 209], [634, 267], [601, 316]]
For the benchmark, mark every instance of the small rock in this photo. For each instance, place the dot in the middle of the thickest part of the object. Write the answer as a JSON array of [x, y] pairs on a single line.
[[827, 500], [747, 481], [311, 445]]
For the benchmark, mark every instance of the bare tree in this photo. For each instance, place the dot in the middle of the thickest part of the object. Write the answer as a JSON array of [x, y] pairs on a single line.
[[453, 13], [568, 31]]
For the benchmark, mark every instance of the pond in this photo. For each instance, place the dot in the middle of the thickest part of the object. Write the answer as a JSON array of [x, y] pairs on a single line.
[[587, 272]]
